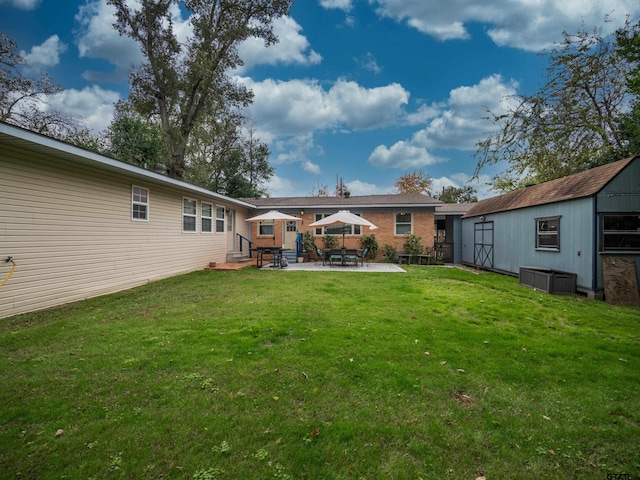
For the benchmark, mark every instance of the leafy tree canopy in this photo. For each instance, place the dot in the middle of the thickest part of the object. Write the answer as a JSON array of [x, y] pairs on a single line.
[[184, 83], [577, 119], [453, 194], [414, 182], [22, 97]]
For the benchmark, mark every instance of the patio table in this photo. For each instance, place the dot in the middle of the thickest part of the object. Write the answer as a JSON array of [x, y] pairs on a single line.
[[274, 252]]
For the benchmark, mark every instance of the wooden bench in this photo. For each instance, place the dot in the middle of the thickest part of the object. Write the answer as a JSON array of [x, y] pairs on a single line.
[[404, 257]]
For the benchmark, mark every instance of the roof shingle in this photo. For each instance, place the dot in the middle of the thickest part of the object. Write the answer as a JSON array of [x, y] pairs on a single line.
[[578, 185], [380, 201]]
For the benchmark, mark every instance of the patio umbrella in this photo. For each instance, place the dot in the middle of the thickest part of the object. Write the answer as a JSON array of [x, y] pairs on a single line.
[[344, 217], [272, 215]]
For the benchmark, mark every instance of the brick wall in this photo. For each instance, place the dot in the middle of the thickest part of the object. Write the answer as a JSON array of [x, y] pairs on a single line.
[[423, 226]]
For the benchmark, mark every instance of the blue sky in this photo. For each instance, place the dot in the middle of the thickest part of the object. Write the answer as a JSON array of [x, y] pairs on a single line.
[[365, 90]]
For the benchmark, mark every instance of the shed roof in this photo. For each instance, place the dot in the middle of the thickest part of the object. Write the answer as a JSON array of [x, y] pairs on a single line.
[[579, 185], [351, 202]]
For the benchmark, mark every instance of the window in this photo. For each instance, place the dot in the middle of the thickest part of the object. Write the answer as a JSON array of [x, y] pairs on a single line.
[[403, 223], [219, 219], [337, 229], [266, 228], [621, 232], [139, 203], [207, 220], [189, 214], [548, 233]]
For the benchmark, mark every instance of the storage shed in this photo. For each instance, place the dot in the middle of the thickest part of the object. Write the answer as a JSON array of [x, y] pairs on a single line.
[[586, 224]]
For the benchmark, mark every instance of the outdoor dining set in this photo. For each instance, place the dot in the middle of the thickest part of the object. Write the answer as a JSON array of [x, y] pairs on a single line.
[[342, 256]]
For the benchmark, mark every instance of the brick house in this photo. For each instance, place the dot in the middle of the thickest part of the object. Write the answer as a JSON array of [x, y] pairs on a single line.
[[394, 215]]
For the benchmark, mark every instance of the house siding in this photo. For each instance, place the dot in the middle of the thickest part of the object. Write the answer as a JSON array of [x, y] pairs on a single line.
[[69, 229], [620, 195], [514, 239]]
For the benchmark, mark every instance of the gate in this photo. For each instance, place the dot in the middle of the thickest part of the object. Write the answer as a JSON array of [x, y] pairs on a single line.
[[483, 244]]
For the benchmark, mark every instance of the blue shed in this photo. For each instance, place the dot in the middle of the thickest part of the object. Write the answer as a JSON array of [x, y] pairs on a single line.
[[586, 224]]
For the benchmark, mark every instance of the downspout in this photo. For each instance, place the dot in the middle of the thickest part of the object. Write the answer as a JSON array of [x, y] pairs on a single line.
[[594, 265]]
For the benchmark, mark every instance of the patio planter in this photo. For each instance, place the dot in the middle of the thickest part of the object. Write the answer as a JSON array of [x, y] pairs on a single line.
[[548, 280]]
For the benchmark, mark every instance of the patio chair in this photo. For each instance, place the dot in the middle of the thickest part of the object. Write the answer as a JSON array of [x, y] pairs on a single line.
[[365, 252], [320, 254], [351, 255], [335, 255]]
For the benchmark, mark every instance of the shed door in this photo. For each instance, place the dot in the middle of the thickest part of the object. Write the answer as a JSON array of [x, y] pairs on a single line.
[[483, 244]]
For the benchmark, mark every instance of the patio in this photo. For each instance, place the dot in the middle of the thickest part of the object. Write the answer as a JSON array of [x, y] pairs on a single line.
[[313, 266]]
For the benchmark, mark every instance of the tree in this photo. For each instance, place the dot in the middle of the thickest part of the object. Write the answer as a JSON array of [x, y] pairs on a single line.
[[453, 194], [414, 182], [224, 159], [135, 140], [23, 98], [571, 124], [182, 84]]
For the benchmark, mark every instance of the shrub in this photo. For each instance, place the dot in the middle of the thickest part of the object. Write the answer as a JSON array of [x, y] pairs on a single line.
[[370, 242], [413, 245], [390, 253], [309, 243], [330, 241]]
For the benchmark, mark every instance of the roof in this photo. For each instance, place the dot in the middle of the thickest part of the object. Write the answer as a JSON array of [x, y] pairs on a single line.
[[366, 201], [578, 185], [454, 208], [34, 142]]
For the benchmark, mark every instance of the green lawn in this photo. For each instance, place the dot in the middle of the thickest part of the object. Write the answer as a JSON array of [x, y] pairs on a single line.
[[438, 373]]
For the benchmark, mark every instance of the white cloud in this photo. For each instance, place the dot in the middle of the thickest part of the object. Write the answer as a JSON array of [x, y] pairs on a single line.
[[45, 55], [463, 121], [281, 187], [22, 4], [457, 124], [459, 180], [526, 24], [94, 106], [292, 47], [345, 5], [369, 62], [357, 187], [401, 155], [300, 107], [96, 38]]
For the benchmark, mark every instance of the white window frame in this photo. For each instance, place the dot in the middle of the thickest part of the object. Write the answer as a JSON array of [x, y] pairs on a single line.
[[269, 223], [349, 228], [220, 219], [186, 214], [396, 224], [206, 218], [138, 201], [548, 234]]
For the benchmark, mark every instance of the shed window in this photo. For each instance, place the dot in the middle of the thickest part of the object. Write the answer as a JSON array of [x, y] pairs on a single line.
[[139, 203], [548, 233], [403, 223], [621, 233], [219, 219], [207, 217], [189, 214]]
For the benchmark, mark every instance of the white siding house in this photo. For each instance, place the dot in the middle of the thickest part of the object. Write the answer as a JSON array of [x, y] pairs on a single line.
[[78, 224]]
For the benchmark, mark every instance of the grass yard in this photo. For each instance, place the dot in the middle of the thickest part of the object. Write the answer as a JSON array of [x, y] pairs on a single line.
[[434, 374]]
